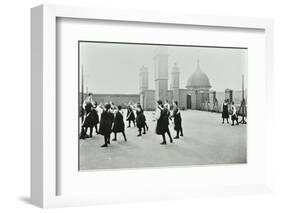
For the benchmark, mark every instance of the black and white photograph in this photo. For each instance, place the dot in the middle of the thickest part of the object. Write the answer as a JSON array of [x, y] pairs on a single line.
[[161, 105]]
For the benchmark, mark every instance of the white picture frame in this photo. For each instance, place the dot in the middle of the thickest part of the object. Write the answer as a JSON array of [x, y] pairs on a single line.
[[44, 169]]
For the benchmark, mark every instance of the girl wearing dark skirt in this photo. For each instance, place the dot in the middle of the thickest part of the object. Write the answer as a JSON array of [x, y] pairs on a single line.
[[95, 117], [177, 120], [119, 125], [89, 121], [106, 122], [225, 113], [140, 120], [162, 125], [130, 116]]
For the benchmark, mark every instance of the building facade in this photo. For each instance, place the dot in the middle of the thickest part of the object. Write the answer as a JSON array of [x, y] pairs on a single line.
[[197, 93]]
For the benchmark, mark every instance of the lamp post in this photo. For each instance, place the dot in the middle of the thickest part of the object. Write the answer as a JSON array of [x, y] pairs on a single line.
[[82, 90], [243, 104]]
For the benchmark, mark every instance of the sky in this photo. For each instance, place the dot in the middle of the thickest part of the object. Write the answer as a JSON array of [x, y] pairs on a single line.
[[113, 68]]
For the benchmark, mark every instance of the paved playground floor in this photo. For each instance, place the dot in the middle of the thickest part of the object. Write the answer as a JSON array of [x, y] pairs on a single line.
[[206, 141]]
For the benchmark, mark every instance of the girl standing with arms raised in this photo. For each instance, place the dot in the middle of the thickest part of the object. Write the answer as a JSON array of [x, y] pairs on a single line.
[[130, 116]]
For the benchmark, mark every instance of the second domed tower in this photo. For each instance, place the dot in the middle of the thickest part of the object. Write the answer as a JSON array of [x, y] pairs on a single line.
[[198, 79]]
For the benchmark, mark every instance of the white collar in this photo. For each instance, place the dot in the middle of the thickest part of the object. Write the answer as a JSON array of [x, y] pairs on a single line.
[[160, 107]]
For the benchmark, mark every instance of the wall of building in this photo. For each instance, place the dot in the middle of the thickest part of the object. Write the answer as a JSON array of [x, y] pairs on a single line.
[[170, 96], [161, 89], [149, 99], [197, 99], [117, 99], [220, 96], [176, 94], [183, 98], [236, 95]]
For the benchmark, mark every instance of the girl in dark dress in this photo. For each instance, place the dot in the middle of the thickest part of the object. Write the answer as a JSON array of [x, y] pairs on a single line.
[[95, 117], [141, 121], [162, 126], [130, 116], [106, 122], [119, 125], [225, 113], [177, 120], [89, 121]]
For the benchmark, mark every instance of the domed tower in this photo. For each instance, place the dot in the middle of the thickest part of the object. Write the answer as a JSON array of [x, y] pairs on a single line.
[[198, 85], [198, 79]]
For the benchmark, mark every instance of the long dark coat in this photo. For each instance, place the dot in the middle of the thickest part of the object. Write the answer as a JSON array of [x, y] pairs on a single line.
[[91, 116], [95, 116], [106, 122], [177, 119], [130, 114], [89, 120], [140, 120], [225, 113], [118, 125], [162, 125]]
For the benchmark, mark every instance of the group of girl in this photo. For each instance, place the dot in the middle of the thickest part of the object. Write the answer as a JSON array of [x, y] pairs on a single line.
[[162, 116], [111, 120], [229, 110], [139, 120]]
